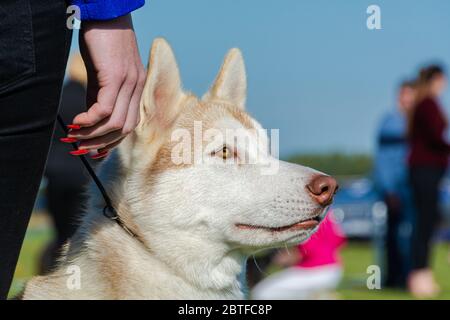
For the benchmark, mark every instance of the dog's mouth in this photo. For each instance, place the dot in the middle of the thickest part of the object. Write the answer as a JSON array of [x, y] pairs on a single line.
[[301, 225]]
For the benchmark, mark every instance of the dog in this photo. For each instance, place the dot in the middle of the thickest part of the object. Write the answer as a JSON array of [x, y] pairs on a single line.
[[187, 227]]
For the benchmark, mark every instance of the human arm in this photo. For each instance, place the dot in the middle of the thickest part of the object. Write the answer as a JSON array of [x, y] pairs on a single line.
[[390, 154], [434, 124], [115, 81]]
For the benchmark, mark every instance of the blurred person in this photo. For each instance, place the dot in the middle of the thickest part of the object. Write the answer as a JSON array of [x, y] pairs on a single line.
[[66, 176], [392, 182], [35, 37], [313, 268], [428, 161]]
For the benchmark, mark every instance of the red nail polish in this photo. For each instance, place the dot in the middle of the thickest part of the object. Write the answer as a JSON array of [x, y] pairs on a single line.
[[68, 140], [100, 155], [74, 126], [79, 152]]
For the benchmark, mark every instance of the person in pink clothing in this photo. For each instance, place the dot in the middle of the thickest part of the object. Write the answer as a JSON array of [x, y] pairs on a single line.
[[314, 267]]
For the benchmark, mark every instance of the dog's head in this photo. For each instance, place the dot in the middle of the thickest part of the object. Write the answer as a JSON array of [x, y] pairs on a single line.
[[190, 181]]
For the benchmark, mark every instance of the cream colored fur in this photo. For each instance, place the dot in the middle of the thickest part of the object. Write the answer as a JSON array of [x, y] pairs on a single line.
[[188, 244]]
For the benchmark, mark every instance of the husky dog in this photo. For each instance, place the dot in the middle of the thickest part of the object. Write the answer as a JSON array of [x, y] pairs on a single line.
[[192, 223]]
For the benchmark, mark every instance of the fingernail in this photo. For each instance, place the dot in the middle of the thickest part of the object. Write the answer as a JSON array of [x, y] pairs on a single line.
[[100, 155], [79, 152], [68, 140], [74, 126]]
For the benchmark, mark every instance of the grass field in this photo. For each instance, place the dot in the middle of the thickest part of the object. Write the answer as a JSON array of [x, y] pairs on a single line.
[[357, 257], [38, 235]]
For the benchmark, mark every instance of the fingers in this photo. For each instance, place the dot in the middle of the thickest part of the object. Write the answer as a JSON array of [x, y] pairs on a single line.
[[110, 146], [121, 122], [106, 99], [101, 153], [101, 142], [133, 113], [110, 121]]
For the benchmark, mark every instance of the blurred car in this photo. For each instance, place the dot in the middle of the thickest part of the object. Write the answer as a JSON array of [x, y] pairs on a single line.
[[357, 207], [362, 214]]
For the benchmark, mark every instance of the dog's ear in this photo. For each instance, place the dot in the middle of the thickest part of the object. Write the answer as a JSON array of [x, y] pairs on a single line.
[[159, 107], [162, 91], [231, 82]]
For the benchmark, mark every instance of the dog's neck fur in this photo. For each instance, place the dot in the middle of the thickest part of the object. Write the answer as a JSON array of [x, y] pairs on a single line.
[[202, 272], [149, 277]]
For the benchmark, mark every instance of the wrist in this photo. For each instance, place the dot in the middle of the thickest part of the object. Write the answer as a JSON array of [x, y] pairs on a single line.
[[122, 22]]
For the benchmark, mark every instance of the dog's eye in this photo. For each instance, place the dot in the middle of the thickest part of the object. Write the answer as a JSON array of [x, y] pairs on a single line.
[[224, 153]]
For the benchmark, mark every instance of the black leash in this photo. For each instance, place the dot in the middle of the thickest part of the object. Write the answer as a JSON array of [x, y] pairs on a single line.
[[108, 210]]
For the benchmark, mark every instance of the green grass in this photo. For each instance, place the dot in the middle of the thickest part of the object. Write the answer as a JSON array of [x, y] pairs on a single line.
[[336, 164], [38, 235], [357, 257]]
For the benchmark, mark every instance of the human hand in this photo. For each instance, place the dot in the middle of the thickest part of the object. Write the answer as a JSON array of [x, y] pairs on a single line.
[[116, 78]]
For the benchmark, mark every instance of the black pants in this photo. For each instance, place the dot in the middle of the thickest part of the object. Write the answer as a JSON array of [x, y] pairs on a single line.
[[395, 263], [34, 44], [425, 186]]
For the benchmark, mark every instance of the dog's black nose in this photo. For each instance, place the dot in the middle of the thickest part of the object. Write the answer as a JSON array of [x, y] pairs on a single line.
[[322, 189]]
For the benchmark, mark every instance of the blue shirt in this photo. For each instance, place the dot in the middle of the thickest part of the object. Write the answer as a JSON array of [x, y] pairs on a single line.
[[105, 9], [391, 170]]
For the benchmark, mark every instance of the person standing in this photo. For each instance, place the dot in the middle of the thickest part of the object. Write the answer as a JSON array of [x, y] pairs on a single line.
[[392, 182], [428, 161], [34, 46]]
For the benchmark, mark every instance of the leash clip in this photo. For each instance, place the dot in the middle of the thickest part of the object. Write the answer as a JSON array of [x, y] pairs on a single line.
[[110, 212]]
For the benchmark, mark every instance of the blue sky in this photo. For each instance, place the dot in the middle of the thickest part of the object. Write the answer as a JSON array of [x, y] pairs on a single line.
[[314, 69]]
